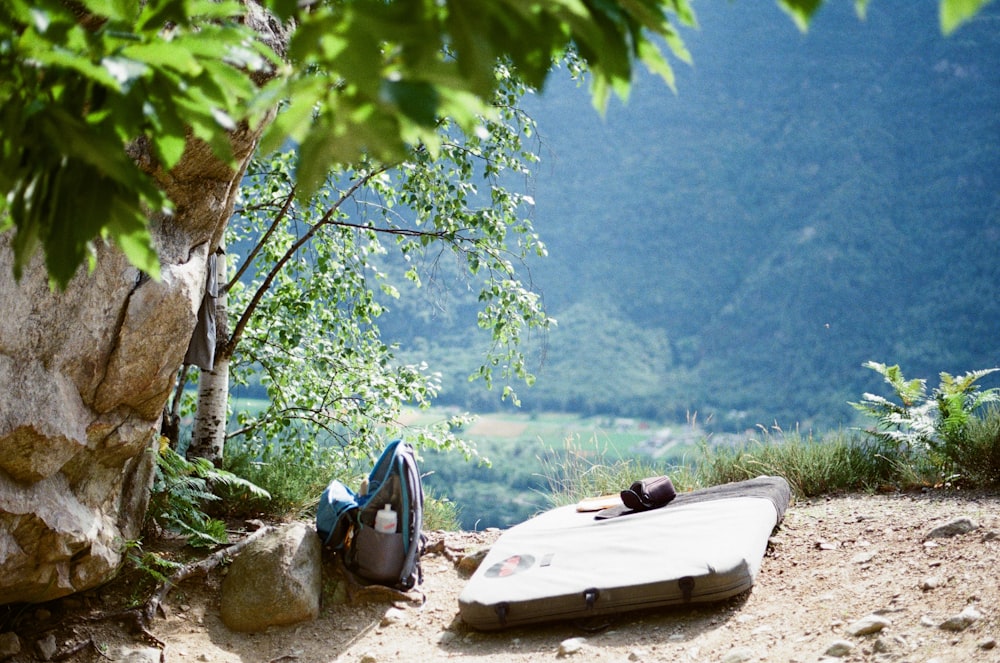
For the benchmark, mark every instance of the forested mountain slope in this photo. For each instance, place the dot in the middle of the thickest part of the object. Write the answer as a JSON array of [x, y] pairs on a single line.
[[802, 204]]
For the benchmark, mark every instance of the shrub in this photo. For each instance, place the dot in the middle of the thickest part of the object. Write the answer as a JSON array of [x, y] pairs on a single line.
[[440, 513], [181, 490], [812, 466], [293, 480], [978, 459], [933, 428]]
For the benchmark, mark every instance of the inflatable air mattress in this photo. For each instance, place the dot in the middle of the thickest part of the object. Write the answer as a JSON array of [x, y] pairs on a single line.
[[703, 546]]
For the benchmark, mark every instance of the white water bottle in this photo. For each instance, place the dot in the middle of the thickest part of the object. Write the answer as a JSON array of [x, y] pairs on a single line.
[[385, 520]]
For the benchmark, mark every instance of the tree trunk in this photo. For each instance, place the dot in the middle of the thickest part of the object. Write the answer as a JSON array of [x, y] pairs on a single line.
[[208, 438]]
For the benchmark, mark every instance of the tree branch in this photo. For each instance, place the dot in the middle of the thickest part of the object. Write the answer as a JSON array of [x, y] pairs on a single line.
[[202, 566], [282, 213], [244, 320]]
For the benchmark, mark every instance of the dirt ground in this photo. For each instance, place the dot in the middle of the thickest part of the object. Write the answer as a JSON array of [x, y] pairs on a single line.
[[831, 562]]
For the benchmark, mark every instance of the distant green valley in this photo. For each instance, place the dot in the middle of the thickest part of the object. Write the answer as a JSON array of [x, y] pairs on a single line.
[[736, 251]]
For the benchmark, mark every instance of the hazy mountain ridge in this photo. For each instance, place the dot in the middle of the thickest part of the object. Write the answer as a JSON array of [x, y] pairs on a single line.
[[801, 205]]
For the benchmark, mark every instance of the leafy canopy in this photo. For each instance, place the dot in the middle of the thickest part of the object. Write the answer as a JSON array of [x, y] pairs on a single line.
[[316, 275], [356, 78]]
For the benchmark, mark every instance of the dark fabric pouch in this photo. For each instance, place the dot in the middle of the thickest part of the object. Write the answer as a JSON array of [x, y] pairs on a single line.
[[649, 493]]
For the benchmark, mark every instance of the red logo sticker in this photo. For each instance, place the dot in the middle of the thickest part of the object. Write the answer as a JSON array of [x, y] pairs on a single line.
[[510, 566]]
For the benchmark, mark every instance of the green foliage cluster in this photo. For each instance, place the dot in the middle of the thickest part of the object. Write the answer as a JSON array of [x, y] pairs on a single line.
[[314, 277], [939, 425], [181, 490], [81, 80]]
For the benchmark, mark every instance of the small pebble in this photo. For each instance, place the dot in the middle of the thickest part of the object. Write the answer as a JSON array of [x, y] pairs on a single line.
[[571, 646], [738, 655], [962, 620], [954, 528], [931, 582], [868, 625], [839, 648]]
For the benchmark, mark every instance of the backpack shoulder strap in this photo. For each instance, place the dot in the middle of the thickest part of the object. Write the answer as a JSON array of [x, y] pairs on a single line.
[[413, 507]]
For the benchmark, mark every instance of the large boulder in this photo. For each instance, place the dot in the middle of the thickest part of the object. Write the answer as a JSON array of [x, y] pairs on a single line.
[[85, 374], [275, 581]]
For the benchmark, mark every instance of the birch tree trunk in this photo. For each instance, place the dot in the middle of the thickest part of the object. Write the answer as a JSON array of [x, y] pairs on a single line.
[[208, 437]]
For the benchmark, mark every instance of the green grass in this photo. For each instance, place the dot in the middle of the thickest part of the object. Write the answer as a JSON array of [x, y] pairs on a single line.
[[978, 460], [558, 459], [811, 466], [837, 462]]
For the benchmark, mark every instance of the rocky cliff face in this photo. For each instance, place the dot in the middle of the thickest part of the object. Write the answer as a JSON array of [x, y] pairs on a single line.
[[84, 376]]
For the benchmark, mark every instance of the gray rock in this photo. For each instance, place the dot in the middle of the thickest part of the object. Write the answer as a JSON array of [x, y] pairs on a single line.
[[274, 581], [392, 616], [738, 655], [962, 620], [571, 646], [987, 643], [868, 625], [136, 655], [839, 648], [863, 558], [931, 582], [954, 528], [47, 647]]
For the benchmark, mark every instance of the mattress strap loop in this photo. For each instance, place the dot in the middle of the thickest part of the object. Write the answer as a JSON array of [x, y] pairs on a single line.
[[501, 610], [590, 597], [686, 585]]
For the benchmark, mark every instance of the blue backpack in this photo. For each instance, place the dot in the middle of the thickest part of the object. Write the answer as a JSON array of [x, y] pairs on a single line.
[[352, 525]]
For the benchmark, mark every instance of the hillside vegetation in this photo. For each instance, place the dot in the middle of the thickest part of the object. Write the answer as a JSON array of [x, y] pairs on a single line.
[[803, 204]]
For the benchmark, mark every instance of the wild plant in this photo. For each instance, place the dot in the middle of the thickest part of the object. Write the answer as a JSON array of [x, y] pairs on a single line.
[[182, 488], [934, 425]]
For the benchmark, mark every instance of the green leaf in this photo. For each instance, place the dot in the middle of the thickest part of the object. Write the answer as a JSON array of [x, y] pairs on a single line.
[[116, 10], [801, 11], [956, 12], [295, 118], [657, 64], [417, 100], [164, 54]]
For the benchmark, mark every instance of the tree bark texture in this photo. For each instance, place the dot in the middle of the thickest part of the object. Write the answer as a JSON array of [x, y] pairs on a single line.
[[208, 435]]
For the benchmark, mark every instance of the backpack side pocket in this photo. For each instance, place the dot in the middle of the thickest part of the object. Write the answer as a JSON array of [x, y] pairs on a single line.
[[378, 555]]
